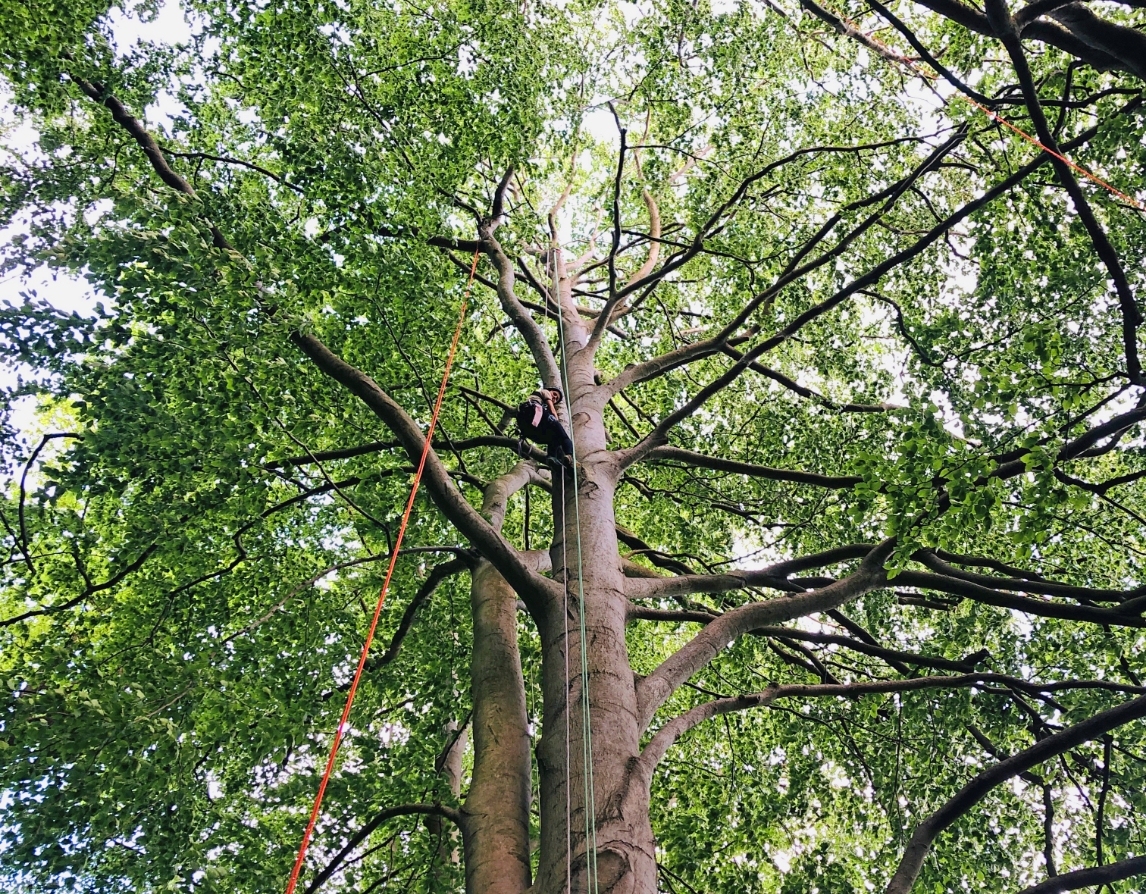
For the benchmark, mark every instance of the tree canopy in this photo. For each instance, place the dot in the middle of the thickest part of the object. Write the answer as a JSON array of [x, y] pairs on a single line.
[[854, 558]]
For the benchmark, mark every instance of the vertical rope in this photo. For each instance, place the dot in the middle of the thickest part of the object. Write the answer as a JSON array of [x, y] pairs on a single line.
[[341, 730], [551, 274], [586, 718], [568, 693]]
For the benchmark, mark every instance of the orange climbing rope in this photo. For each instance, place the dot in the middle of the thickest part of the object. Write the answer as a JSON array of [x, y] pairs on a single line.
[[995, 116], [1032, 140], [338, 733]]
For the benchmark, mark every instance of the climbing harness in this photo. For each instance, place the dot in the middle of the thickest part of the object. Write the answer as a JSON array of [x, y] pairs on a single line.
[[342, 725]]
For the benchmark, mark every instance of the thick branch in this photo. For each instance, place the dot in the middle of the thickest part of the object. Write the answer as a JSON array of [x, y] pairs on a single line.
[[1025, 604], [1095, 875], [522, 320], [708, 643], [496, 498], [983, 783], [445, 494], [774, 576], [688, 457]]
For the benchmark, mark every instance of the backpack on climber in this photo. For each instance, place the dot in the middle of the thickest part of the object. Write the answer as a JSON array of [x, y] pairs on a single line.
[[537, 420]]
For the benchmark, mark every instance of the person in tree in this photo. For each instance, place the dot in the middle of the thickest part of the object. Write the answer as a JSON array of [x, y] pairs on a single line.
[[537, 420]]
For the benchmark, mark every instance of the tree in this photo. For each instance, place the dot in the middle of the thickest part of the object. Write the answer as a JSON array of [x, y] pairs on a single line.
[[847, 592]]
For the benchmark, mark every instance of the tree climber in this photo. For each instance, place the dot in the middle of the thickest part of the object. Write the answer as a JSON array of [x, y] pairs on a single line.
[[537, 420]]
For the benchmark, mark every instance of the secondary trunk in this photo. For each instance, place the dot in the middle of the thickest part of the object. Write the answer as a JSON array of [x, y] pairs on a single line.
[[496, 809]]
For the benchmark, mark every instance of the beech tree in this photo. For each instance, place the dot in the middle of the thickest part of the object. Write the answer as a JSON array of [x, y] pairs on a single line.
[[847, 590]]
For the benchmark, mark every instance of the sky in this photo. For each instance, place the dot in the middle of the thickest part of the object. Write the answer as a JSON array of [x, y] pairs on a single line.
[[18, 137]]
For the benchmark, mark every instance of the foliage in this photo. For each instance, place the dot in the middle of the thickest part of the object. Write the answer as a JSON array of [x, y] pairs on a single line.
[[191, 570]]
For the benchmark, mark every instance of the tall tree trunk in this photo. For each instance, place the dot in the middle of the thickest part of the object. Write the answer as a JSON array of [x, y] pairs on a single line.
[[496, 808], [624, 857]]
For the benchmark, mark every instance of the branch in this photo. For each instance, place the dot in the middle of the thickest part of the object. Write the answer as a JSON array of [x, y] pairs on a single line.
[[614, 306], [982, 784], [1048, 32], [1095, 875], [236, 161], [496, 498], [445, 494], [438, 574], [659, 435], [688, 457], [918, 46], [808, 393], [278, 606], [89, 591], [894, 657], [842, 26], [774, 576], [522, 320], [23, 540], [658, 366], [616, 243], [1044, 587], [481, 442], [440, 810], [657, 687], [1027, 605], [146, 141], [676, 727], [1004, 26], [677, 260]]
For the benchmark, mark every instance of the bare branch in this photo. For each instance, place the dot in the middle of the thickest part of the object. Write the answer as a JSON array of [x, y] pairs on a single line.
[[439, 810], [1095, 875], [983, 783], [700, 460], [654, 689], [529, 585]]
